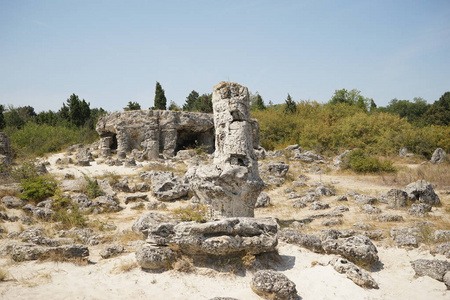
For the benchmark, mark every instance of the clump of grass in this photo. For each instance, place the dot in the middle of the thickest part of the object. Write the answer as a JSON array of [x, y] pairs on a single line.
[[128, 236], [124, 266], [67, 213], [191, 213], [3, 274], [184, 264], [438, 174], [360, 162]]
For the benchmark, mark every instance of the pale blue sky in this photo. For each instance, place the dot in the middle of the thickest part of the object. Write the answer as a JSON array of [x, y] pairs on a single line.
[[111, 52]]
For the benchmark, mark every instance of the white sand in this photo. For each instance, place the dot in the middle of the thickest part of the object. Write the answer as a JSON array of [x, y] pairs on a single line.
[[101, 280]]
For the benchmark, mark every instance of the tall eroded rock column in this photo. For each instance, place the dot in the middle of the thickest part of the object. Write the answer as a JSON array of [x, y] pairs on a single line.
[[231, 185]]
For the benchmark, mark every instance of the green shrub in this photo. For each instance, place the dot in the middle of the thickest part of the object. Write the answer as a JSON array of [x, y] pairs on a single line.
[[93, 190], [360, 162], [37, 188]]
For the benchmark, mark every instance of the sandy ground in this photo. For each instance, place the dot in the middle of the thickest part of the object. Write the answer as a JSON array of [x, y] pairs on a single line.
[[105, 279], [102, 280]]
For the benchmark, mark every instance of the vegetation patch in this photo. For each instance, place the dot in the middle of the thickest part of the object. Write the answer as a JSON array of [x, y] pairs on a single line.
[[360, 162]]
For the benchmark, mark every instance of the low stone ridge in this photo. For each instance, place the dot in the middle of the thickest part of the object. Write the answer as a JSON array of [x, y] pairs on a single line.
[[111, 251], [433, 268], [24, 252], [274, 285], [155, 257], [353, 272], [423, 192], [222, 237], [304, 240], [358, 249]]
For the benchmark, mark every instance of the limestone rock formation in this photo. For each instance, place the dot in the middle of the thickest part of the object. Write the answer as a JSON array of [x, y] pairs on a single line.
[[231, 185], [5, 149], [222, 237], [423, 192], [111, 251], [353, 272], [274, 285], [433, 268], [155, 258], [438, 156], [358, 249]]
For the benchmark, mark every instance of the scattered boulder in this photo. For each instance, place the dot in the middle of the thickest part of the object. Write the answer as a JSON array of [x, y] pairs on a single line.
[[85, 235], [409, 236], [442, 235], [135, 197], [365, 199], [12, 202], [304, 240], [443, 249], [423, 192], [324, 191], [263, 200], [390, 218], [353, 272], [332, 222], [39, 212], [396, 198], [144, 222], [155, 257], [167, 187], [307, 156], [403, 152], [279, 169], [270, 284], [299, 204], [84, 157], [419, 210], [358, 249], [341, 198], [433, 268], [111, 251], [317, 205], [26, 252], [370, 209], [439, 156]]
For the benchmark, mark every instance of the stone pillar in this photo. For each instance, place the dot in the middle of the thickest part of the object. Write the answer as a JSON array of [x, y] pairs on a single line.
[[232, 184], [5, 149]]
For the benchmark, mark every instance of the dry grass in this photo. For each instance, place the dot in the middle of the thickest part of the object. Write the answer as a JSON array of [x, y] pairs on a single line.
[[438, 174], [184, 264], [3, 274], [128, 236], [124, 266]]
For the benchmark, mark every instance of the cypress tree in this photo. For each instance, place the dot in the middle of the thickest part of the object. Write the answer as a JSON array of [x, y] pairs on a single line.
[[160, 97]]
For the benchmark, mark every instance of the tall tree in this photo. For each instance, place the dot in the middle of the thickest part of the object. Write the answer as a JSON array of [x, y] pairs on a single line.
[[160, 97], [204, 104], [190, 101], [439, 112], [258, 103], [79, 111], [132, 106], [290, 106], [352, 97]]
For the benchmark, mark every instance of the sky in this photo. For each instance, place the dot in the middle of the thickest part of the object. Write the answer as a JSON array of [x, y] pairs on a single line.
[[112, 52]]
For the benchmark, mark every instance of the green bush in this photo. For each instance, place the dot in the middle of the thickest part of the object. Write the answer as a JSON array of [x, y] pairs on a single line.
[[93, 190], [37, 188], [360, 162]]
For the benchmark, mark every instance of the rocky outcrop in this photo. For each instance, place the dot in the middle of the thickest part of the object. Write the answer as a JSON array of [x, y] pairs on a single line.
[[222, 237], [231, 185], [24, 252], [396, 198], [111, 251], [304, 240], [166, 186], [358, 249], [263, 200], [155, 258], [274, 285], [5, 149], [433, 268], [439, 156], [12, 202], [353, 272], [423, 192]]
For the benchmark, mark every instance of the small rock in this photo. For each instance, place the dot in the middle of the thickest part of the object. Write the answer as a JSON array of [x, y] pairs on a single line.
[[12, 202], [370, 209], [390, 218], [317, 205], [111, 251], [353, 272], [332, 222], [433, 268], [341, 198], [274, 285], [155, 257], [263, 200], [419, 210]]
